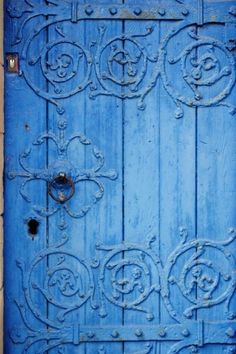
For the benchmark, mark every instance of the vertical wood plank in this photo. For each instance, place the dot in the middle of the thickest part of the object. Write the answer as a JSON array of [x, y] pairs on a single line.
[[103, 124], [141, 173], [74, 120], [25, 117], [177, 172], [216, 173]]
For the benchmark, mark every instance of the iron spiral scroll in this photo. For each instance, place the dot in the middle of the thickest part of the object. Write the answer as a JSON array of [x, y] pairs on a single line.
[[122, 276], [122, 66], [128, 275]]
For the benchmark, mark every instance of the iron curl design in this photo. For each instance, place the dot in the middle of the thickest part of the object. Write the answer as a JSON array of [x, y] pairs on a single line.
[[63, 168], [201, 279], [60, 61], [122, 65], [126, 277], [68, 285], [204, 62], [132, 276]]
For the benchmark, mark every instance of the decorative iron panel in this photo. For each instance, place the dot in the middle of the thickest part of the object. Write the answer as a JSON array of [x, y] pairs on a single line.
[[115, 241]]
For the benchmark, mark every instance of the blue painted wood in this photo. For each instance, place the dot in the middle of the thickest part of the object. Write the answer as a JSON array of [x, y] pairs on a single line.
[[177, 176], [122, 148], [215, 163], [25, 118]]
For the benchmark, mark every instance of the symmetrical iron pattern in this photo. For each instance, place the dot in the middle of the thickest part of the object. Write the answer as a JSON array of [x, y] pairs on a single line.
[[202, 64], [121, 66], [62, 168], [122, 276], [134, 271]]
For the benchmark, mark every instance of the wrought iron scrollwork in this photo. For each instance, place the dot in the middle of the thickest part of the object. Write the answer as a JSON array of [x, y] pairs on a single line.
[[203, 272], [128, 275], [204, 62], [131, 273], [61, 166], [121, 66]]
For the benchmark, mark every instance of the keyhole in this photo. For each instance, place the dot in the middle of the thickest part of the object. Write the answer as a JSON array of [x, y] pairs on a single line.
[[33, 226]]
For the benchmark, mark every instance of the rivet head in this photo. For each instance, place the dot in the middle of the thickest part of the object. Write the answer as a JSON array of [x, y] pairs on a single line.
[[91, 334], [162, 333], [185, 332], [113, 10], [89, 10], [162, 11], [137, 11], [185, 12], [138, 332], [230, 332], [232, 10], [115, 334]]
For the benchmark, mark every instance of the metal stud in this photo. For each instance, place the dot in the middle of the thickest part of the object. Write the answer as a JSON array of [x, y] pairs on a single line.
[[230, 332], [113, 11], [162, 333], [115, 334], [185, 12], [91, 334], [137, 11], [162, 11], [232, 11], [89, 10], [138, 332], [185, 332]]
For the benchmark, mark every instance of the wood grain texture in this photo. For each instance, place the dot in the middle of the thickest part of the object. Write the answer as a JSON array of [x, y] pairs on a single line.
[[23, 124], [142, 230]]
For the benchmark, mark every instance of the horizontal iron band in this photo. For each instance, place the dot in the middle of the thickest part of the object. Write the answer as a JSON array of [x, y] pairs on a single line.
[[211, 12], [195, 332], [191, 333]]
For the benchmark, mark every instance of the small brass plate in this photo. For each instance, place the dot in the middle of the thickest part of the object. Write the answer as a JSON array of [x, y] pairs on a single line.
[[12, 63]]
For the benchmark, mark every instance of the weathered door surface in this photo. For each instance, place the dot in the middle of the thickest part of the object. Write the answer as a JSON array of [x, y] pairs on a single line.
[[120, 177]]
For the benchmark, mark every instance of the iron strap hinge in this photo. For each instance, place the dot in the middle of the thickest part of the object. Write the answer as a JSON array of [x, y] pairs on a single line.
[[137, 11], [210, 12], [194, 332], [73, 10]]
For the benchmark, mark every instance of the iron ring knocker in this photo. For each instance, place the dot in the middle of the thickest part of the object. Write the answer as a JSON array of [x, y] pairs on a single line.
[[60, 182]]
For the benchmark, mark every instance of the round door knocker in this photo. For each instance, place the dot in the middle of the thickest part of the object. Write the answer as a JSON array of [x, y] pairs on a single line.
[[61, 188]]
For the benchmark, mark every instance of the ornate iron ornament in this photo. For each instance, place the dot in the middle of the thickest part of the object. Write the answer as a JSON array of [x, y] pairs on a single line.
[[60, 168], [69, 285], [134, 80], [71, 282]]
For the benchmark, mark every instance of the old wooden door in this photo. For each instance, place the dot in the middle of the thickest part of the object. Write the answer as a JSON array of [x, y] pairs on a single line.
[[120, 177]]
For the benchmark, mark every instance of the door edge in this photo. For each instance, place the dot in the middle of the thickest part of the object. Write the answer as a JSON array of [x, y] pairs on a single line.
[[1, 171]]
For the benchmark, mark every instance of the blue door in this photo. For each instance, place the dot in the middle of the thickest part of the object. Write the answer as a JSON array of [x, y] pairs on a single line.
[[120, 177]]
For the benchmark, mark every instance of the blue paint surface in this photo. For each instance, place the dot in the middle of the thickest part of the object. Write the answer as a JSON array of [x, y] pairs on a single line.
[[120, 177]]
